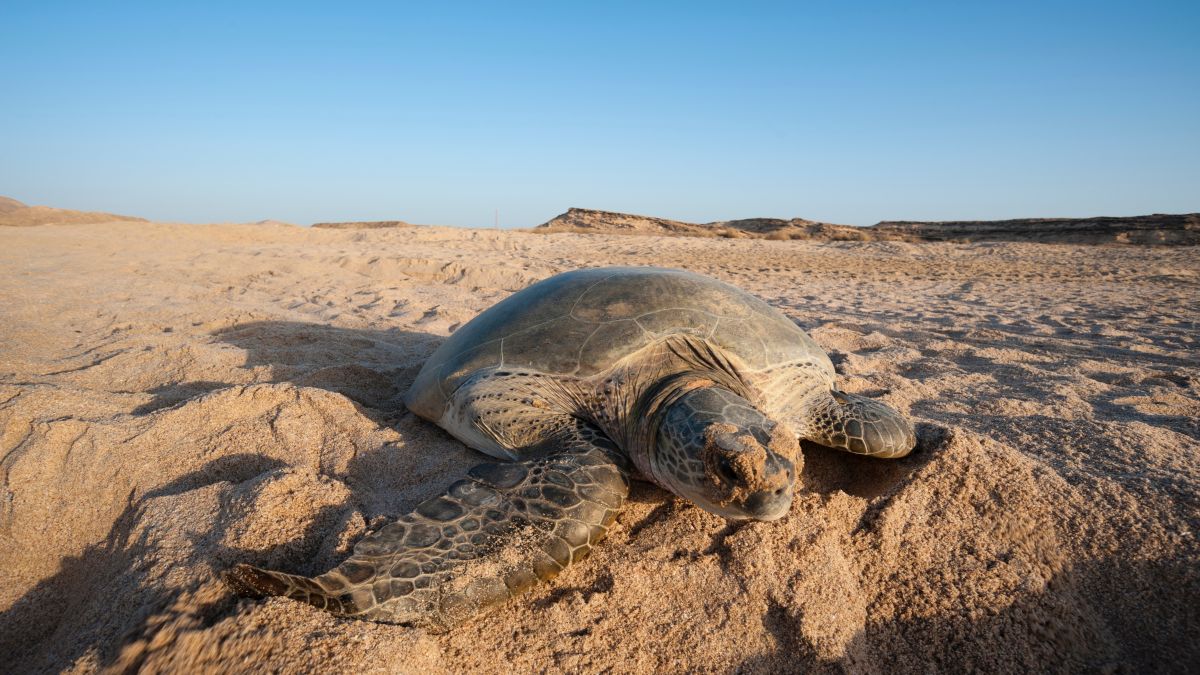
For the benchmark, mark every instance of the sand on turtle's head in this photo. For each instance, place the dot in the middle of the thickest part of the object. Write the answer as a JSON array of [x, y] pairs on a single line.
[[748, 458]]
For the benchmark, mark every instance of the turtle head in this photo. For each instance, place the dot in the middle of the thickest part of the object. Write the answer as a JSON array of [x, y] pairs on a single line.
[[716, 449]]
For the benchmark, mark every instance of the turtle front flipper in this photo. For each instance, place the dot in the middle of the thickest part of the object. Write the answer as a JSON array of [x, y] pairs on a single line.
[[859, 425], [488, 538]]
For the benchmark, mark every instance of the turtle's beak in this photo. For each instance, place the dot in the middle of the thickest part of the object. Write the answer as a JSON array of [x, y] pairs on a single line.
[[768, 505]]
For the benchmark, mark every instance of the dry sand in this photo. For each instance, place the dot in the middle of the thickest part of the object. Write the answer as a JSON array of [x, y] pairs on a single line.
[[174, 399], [16, 214]]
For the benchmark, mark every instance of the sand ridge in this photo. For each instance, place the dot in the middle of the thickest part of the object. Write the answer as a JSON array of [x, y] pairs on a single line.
[[17, 214], [175, 399]]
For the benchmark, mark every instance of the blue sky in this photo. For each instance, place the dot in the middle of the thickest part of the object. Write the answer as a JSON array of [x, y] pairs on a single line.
[[442, 113]]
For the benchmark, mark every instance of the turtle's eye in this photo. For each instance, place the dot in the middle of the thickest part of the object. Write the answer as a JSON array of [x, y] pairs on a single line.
[[725, 470]]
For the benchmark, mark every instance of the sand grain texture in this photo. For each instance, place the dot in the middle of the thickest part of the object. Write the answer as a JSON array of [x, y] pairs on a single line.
[[175, 399]]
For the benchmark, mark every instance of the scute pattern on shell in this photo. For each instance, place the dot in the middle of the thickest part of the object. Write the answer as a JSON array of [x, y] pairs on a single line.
[[580, 323]]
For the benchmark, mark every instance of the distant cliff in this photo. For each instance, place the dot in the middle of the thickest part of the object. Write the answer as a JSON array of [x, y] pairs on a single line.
[[363, 225], [1157, 229], [588, 220]]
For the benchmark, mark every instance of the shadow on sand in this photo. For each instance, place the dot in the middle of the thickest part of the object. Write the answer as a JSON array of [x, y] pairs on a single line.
[[62, 617], [371, 367], [1091, 618]]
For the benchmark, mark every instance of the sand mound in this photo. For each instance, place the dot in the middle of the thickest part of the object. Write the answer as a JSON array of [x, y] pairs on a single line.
[[7, 205], [15, 214], [175, 399]]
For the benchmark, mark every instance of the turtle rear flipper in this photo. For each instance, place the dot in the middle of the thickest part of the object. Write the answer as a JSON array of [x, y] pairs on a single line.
[[253, 582], [488, 538]]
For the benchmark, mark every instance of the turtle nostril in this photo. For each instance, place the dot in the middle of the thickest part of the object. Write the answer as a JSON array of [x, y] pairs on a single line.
[[779, 492]]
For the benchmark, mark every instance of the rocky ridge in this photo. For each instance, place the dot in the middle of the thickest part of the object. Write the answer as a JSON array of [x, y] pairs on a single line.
[[363, 225], [1156, 229]]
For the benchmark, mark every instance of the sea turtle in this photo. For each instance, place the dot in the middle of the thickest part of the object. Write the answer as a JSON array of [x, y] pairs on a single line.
[[580, 383]]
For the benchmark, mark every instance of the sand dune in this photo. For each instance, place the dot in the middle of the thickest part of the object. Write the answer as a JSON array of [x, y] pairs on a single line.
[[15, 214], [8, 205], [175, 399]]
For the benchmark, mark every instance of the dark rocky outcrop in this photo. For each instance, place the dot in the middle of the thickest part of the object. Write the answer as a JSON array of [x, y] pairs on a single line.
[[363, 225], [1157, 229]]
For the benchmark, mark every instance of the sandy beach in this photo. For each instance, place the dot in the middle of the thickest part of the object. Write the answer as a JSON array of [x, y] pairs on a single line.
[[175, 399]]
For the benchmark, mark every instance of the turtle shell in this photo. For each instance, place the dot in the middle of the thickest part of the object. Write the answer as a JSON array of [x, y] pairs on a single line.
[[580, 323]]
